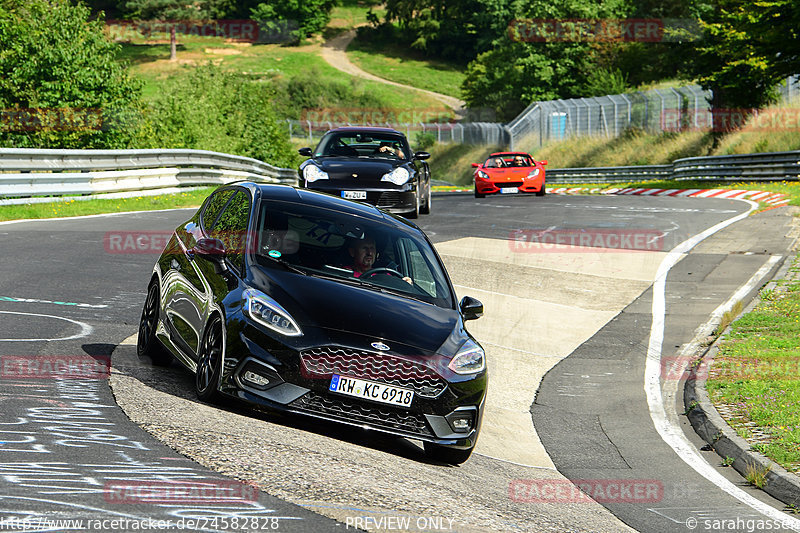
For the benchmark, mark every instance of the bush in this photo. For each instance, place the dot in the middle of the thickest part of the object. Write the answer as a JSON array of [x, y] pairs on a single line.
[[59, 79], [424, 140], [212, 109], [311, 91]]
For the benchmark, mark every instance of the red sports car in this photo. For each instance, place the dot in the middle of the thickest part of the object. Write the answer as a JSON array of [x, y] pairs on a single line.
[[509, 172]]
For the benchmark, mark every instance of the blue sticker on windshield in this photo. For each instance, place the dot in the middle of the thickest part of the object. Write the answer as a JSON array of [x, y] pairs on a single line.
[[274, 253]]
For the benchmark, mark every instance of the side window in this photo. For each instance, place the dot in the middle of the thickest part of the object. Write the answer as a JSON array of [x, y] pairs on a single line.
[[420, 271], [214, 206], [231, 227]]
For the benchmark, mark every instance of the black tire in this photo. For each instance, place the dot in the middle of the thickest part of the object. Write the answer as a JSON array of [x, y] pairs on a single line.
[[542, 192], [209, 362], [444, 454], [148, 345], [477, 194], [425, 209]]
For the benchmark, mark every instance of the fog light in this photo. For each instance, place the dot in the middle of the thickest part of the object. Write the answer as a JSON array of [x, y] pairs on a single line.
[[462, 425], [254, 379]]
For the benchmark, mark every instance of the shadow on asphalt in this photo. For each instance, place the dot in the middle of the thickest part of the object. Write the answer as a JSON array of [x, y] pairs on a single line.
[[177, 381]]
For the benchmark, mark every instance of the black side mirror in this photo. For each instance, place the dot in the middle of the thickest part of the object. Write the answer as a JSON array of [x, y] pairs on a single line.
[[470, 308], [210, 248], [305, 151], [422, 156]]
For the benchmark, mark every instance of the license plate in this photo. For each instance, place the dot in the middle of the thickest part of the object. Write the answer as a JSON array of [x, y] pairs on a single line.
[[508, 190], [354, 195], [370, 390]]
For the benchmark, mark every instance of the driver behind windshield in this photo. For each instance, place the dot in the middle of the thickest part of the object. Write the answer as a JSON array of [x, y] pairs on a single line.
[[364, 253], [386, 147]]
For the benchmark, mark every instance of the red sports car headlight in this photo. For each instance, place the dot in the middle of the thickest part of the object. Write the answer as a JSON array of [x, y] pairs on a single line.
[[534, 173], [483, 175]]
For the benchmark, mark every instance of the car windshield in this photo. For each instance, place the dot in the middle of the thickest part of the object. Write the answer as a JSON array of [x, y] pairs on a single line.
[[495, 162], [520, 161], [354, 144], [349, 249]]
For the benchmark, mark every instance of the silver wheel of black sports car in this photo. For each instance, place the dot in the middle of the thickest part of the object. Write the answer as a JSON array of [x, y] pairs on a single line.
[[209, 362], [148, 345], [426, 208]]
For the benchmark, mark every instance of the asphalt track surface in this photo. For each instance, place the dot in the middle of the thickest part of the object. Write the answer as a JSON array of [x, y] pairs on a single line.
[[64, 444]]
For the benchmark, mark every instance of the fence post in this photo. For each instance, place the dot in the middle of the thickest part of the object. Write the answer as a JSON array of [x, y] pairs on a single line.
[[616, 128], [627, 100], [661, 118]]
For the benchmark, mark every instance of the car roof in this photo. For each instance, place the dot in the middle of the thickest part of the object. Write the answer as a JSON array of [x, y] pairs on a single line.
[[364, 129]]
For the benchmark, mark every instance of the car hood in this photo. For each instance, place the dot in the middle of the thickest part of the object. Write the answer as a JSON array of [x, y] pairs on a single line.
[[331, 305], [341, 168]]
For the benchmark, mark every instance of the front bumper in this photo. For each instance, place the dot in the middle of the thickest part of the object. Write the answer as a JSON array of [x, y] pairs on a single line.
[[397, 200], [296, 384]]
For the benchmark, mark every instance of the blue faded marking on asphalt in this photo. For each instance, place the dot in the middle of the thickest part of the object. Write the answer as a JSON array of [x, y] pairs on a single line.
[[38, 301]]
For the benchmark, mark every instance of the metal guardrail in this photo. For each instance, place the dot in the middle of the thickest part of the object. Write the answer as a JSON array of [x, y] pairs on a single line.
[[30, 172], [609, 174], [775, 166], [26, 172]]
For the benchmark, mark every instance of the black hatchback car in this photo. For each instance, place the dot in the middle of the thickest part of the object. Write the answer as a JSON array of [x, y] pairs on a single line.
[[373, 165], [311, 304]]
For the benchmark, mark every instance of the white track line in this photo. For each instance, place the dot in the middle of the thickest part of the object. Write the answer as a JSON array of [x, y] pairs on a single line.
[[86, 329], [671, 433]]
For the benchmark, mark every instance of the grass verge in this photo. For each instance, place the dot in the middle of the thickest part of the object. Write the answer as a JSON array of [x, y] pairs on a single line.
[[756, 374], [150, 63], [74, 208], [397, 63]]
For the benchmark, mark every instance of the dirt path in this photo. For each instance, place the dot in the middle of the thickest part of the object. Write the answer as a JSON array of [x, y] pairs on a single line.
[[333, 51]]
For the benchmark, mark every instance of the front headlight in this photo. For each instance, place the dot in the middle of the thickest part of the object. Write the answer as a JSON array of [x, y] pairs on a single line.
[[269, 313], [534, 173], [483, 175], [312, 173], [397, 176], [470, 359]]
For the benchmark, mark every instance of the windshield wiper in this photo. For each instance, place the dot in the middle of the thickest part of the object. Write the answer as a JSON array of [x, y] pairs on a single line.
[[284, 264]]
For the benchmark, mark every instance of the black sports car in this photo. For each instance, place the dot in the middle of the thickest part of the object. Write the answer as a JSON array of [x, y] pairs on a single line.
[[316, 305], [373, 165]]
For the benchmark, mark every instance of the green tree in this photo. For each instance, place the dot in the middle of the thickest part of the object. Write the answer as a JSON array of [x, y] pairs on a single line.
[[58, 73], [520, 69], [301, 17], [172, 13], [457, 30], [747, 49]]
